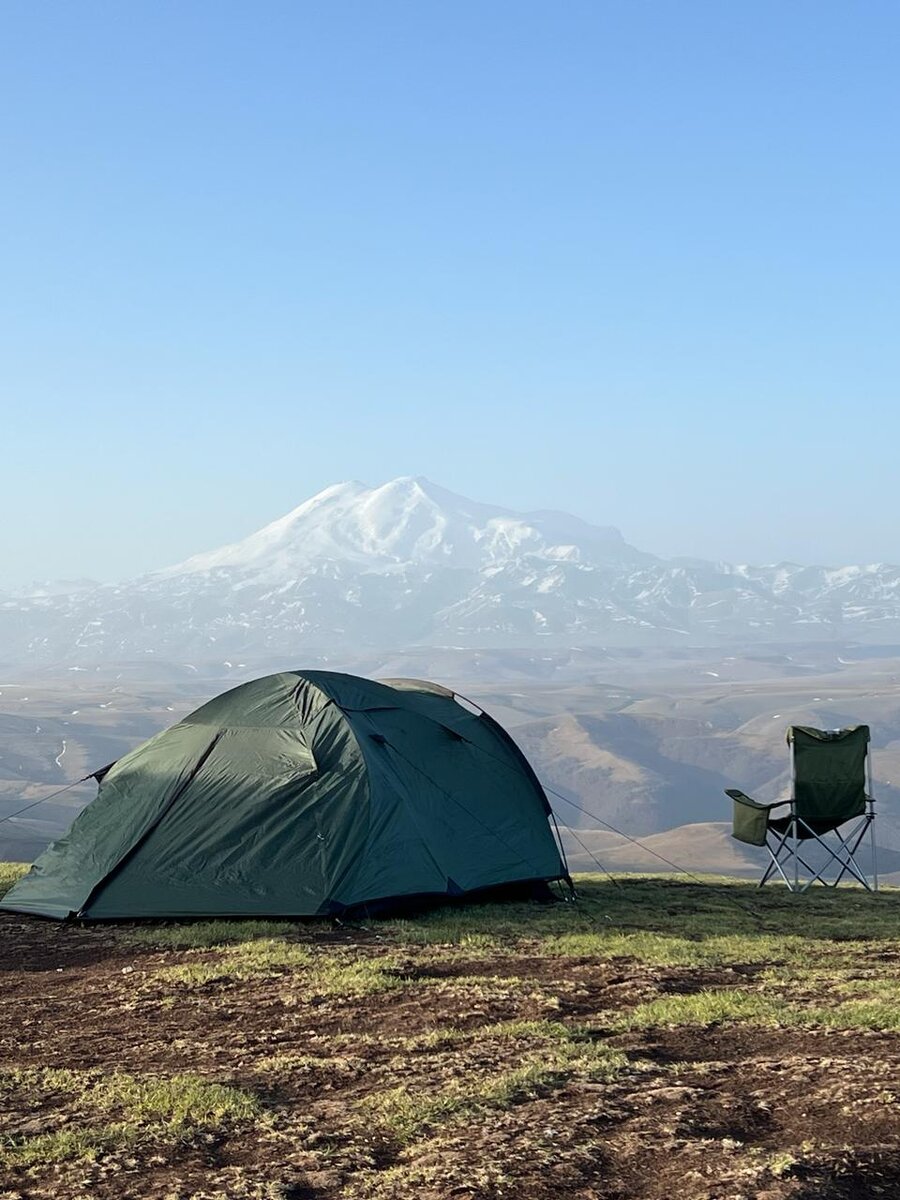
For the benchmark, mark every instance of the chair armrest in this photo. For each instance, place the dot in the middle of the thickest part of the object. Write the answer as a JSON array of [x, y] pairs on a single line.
[[740, 797]]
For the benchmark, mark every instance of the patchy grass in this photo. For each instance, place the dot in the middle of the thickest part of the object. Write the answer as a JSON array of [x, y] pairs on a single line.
[[330, 1064], [140, 1107], [669, 950], [732, 911], [634, 1044], [319, 972], [313, 972], [707, 1008], [515, 1030], [659, 920], [406, 1113], [724, 1006], [48, 1148]]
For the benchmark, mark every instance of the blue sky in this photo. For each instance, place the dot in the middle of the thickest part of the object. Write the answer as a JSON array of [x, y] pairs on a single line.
[[635, 260]]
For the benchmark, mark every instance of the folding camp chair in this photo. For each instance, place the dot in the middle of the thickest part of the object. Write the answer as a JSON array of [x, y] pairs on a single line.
[[831, 785]]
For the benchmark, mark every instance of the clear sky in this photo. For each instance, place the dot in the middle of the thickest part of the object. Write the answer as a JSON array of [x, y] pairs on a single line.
[[637, 260]]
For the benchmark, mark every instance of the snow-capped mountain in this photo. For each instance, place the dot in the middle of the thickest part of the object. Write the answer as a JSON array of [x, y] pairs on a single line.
[[409, 563], [406, 521]]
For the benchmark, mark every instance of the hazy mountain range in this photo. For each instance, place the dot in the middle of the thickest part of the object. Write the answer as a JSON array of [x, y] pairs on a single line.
[[410, 564]]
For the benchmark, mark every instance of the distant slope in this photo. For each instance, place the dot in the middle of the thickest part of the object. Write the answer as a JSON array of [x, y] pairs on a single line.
[[705, 847], [642, 773]]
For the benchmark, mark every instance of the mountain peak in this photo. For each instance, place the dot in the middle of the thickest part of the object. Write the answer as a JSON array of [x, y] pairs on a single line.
[[408, 520]]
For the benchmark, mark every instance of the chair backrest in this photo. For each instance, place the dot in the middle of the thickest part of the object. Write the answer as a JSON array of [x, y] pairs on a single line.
[[829, 769]]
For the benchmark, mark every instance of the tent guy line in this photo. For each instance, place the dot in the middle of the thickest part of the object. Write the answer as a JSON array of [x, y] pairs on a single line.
[[46, 799], [588, 851]]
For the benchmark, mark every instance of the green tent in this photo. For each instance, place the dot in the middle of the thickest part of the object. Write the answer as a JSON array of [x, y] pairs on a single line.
[[298, 794]]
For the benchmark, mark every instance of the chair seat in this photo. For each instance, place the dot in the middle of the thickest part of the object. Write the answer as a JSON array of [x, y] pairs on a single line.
[[808, 829]]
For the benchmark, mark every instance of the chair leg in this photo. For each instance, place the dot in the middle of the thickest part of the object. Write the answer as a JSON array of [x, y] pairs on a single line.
[[775, 864], [846, 864], [874, 859], [851, 849]]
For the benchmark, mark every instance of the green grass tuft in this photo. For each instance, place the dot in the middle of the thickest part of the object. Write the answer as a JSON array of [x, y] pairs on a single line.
[[9, 874], [733, 1006], [707, 1008], [318, 972], [200, 935], [165, 1106]]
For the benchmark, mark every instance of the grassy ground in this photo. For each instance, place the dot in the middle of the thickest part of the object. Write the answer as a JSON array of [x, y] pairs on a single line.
[[656, 1039]]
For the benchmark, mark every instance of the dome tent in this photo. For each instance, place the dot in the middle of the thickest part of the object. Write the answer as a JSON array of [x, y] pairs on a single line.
[[303, 793]]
